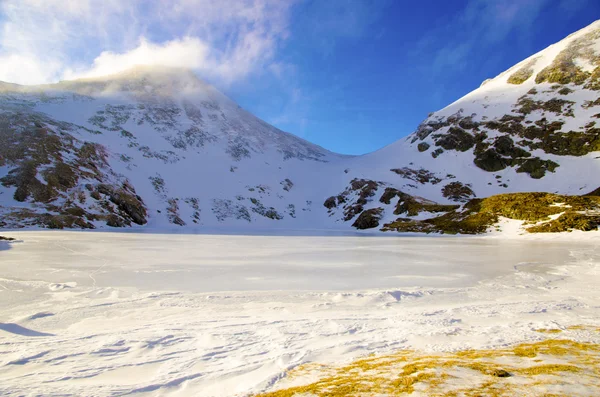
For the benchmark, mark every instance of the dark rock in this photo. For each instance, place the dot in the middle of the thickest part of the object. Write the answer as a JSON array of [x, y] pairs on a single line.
[[423, 146], [352, 211], [491, 161], [457, 191], [536, 168], [437, 152], [456, 139], [330, 203], [500, 373], [130, 205], [368, 219], [594, 193], [115, 221]]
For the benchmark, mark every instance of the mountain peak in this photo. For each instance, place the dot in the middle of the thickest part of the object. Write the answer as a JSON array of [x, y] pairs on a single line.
[[142, 71], [140, 80]]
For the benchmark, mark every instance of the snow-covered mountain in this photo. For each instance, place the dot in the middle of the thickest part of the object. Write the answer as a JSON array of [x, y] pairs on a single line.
[[160, 148]]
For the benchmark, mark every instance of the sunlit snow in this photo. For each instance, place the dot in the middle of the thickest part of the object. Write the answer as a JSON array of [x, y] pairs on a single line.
[[111, 314]]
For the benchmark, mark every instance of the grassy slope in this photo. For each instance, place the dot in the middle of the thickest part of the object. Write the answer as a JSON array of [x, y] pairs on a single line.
[[542, 212], [560, 365]]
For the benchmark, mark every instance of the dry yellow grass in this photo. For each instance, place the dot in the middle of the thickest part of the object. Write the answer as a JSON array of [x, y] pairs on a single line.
[[549, 330], [526, 368]]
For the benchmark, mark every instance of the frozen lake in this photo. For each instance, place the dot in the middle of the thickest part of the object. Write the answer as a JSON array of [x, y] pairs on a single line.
[[207, 263], [108, 314]]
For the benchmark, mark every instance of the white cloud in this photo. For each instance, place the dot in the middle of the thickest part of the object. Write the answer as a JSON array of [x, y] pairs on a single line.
[[188, 52], [47, 40]]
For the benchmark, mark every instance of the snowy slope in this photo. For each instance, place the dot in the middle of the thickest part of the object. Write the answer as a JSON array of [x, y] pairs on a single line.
[[492, 101], [190, 152], [541, 134], [170, 151]]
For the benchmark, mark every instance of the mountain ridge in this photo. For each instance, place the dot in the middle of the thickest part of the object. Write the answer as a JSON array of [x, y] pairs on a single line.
[[159, 147]]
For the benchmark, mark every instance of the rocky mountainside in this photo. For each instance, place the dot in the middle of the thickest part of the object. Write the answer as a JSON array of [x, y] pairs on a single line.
[[533, 128], [159, 148], [149, 146]]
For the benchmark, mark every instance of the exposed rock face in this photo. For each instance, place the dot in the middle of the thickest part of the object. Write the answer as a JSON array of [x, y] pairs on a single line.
[[70, 181], [457, 191], [551, 115], [359, 193], [368, 219]]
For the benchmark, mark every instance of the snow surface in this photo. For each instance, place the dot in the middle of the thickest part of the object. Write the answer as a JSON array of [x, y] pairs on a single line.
[[105, 314]]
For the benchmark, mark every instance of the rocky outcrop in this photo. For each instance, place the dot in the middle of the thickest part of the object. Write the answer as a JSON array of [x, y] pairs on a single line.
[[368, 219]]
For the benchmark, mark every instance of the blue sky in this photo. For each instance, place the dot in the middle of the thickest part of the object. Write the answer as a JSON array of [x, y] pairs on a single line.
[[349, 75]]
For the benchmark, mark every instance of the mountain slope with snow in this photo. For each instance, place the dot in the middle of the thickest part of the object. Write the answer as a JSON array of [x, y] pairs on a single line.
[[159, 148]]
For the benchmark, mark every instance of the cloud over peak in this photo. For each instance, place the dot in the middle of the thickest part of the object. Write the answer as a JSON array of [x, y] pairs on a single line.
[[44, 41]]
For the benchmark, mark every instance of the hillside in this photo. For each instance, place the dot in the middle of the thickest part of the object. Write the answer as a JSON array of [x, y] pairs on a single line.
[[158, 148]]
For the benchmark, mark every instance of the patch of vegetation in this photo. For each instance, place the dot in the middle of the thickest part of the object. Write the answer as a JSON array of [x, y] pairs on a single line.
[[455, 139], [564, 69], [526, 105], [505, 146], [490, 160], [413, 207], [565, 91], [464, 373], [589, 104], [478, 215], [457, 191], [467, 123], [549, 330], [594, 81], [502, 154], [567, 222], [536, 168], [523, 74], [35, 151], [542, 134], [423, 146]]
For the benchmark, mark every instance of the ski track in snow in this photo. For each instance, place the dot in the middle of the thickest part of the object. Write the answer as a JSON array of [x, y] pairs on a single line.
[[64, 334]]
